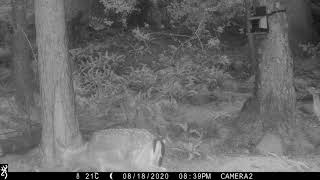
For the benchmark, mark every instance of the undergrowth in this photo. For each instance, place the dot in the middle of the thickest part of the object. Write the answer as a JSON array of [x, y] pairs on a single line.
[[95, 74], [144, 92]]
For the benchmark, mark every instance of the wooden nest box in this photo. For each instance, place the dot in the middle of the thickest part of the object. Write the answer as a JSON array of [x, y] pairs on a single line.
[[258, 20]]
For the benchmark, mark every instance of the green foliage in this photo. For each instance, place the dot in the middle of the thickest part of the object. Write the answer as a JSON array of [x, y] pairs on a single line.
[[94, 74], [191, 15], [140, 35], [203, 15], [187, 77], [191, 140], [142, 79], [95, 77], [121, 8], [311, 49]]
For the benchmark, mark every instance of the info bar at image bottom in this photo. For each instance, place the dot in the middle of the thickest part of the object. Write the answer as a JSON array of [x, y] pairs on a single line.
[[159, 175]]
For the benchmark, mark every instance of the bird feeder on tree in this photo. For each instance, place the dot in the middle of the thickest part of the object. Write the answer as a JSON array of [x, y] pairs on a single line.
[[258, 20]]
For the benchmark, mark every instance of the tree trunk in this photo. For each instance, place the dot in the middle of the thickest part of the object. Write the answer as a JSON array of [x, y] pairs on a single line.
[[21, 58], [250, 36], [270, 112], [60, 126]]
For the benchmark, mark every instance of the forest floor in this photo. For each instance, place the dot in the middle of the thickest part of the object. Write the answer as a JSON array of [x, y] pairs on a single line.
[[203, 122]]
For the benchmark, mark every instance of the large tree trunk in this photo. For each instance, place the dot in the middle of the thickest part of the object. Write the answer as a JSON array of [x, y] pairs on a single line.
[[59, 126], [267, 119], [21, 58], [276, 94]]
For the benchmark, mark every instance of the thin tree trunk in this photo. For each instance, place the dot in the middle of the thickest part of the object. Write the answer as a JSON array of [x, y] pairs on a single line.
[[252, 49], [21, 58], [60, 126]]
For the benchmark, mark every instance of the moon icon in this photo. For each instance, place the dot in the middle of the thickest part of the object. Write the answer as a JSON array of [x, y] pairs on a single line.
[[111, 175]]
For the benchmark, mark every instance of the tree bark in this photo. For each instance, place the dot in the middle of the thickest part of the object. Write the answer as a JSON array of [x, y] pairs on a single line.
[[250, 36], [23, 74], [59, 126], [271, 109]]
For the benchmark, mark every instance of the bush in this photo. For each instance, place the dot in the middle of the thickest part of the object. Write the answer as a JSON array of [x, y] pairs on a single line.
[[310, 49], [203, 15], [120, 8], [94, 74]]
